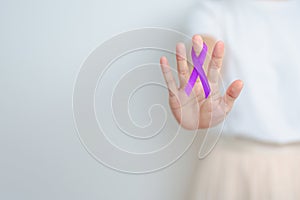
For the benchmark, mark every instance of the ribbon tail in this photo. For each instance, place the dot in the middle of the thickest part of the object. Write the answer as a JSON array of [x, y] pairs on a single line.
[[189, 86], [205, 83]]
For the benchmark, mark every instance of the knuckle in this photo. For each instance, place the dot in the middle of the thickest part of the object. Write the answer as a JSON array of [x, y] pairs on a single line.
[[183, 72], [216, 62]]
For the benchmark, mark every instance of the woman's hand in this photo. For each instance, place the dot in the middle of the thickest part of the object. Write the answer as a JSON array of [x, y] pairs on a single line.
[[195, 111]]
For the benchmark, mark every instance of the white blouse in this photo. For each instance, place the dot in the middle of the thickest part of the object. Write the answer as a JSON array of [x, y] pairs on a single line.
[[262, 47]]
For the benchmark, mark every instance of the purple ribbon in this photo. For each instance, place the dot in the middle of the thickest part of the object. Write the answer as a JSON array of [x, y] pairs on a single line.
[[198, 62]]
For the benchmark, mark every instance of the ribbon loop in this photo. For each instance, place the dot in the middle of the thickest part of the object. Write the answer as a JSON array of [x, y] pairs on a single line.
[[198, 70]]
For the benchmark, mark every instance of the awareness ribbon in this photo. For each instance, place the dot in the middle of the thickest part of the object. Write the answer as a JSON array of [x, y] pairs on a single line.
[[198, 62]]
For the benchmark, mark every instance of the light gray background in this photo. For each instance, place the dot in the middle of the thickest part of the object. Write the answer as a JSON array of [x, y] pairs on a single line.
[[42, 45]]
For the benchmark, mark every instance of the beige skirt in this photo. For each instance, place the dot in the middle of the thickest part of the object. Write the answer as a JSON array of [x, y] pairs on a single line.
[[243, 169]]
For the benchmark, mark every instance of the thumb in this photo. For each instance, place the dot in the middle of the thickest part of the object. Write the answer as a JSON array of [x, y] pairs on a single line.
[[232, 94]]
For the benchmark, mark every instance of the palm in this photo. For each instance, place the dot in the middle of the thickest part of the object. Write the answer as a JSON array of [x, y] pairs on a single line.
[[195, 111]]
